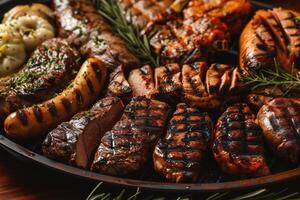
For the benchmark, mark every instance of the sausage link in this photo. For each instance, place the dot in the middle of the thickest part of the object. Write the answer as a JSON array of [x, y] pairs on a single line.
[[37, 120]]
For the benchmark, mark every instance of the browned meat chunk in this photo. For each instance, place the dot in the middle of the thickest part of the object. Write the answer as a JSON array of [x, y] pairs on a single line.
[[141, 81], [79, 22], [238, 143], [272, 34], [74, 142], [178, 157], [280, 121], [48, 71], [126, 147]]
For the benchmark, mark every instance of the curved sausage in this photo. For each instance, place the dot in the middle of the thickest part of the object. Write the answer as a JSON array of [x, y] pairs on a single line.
[[36, 120]]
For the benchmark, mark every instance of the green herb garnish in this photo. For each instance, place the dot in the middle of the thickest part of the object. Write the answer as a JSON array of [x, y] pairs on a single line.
[[136, 43]]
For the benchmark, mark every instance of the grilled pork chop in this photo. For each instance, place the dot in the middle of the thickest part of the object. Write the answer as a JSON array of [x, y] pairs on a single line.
[[234, 13], [74, 141], [271, 34], [238, 143], [126, 147], [48, 71], [179, 155], [79, 22], [280, 121]]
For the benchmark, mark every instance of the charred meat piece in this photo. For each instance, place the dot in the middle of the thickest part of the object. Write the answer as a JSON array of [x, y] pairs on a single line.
[[74, 141], [144, 13], [168, 81], [238, 143], [185, 41], [79, 22], [179, 155], [234, 13], [126, 147], [280, 121], [141, 81], [48, 71], [267, 28], [118, 85]]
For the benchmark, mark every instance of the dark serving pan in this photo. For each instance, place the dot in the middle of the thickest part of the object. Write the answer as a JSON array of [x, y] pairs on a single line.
[[212, 182]]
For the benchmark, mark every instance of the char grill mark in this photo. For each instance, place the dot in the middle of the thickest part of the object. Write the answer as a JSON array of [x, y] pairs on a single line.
[[141, 81], [267, 28], [234, 13], [280, 121], [74, 141], [238, 145], [179, 155], [47, 72], [79, 22], [126, 147]]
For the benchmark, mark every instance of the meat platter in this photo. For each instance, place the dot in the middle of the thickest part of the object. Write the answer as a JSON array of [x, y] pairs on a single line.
[[78, 100]]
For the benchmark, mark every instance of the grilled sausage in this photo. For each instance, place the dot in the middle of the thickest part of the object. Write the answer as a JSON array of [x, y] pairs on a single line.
[[79, 22], [36, 120], [126, 147], [238, 145], [74, 141], [178, 157], [280, 121], [272, 34]]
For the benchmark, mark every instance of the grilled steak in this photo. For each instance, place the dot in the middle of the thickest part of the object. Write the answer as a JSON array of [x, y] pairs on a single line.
[[238, 143], [126, 147], [141, 81], [79, 22], [179, 155], [48, 71], [73, 142], [144, 13], [184, 41], [234, 13], [280, 121], [267, 28]]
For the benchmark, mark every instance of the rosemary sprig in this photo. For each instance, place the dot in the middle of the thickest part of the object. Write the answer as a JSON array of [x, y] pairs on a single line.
[[137, 43], [275, 78], [261, 194]]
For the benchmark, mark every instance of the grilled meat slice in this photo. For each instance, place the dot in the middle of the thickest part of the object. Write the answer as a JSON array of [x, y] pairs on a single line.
[[280, 121], [185, 41], [234, 13], [79, 22], [141, 81], [74, 141], [126, 147], [168, 81], [118, 85], [179, 155], [144, 13], [267, 28], [194, 88], [48, 71], [238, 143]]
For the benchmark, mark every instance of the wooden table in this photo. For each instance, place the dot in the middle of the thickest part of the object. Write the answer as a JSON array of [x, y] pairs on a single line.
[[21, 181]]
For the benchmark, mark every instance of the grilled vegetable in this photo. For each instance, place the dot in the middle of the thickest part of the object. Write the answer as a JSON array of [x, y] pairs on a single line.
[[48, 71], [33, 29], [74, 141], [79, 22], [238, 144], [280, 121], [271, 34], [36, 120], [12, 50], [179, 155], [126, 147]]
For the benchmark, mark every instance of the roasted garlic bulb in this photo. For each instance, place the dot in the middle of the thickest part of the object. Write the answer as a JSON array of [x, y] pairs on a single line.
[[35, 9], [12, 50], [33, 29]]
